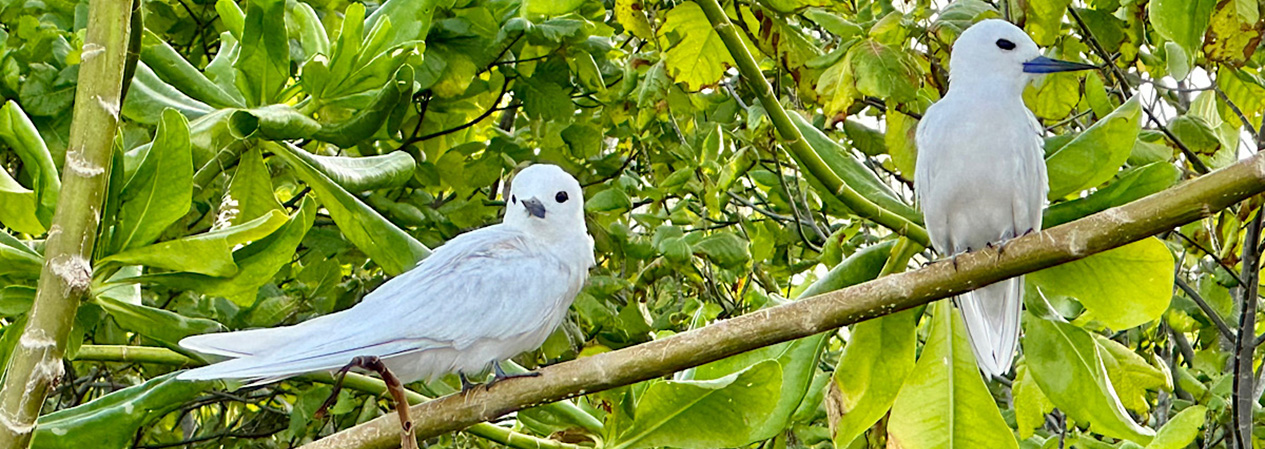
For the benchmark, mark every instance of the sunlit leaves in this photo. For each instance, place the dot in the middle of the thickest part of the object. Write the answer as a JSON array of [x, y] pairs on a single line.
[[159, 192], [698, 58], [1182, 21], [33, 209], [1120, 288], [871, 372], [263, 66], [944, 402], [1095, 155], [1068, 365]]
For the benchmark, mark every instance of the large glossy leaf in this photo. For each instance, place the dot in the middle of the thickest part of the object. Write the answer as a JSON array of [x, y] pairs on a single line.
[[161, 190], [871, 371], [1136, 183], [275, 122], [884, 72], [149, 95], [703, 414], [171, 67], [1131, 375], [1121, 288], [358, 174], [1068, 365], [386, 244], [263, 65], [250, 194], [699, 58], [1045, 20], [1182, 21], [17, 131], [18, 259], [371, 118], [19, 203], [1181, 430], [112, 421], [163, 326], [1031, 405], [257, 262], [944, 402], [1095, 155], [209, 253]]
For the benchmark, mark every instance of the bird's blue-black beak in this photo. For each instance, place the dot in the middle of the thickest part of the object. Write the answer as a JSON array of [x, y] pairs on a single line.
[[534, 207], [1042, 64]]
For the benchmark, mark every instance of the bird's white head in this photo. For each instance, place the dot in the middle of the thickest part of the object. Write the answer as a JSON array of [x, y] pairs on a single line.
[[999, 55], [545, 199]]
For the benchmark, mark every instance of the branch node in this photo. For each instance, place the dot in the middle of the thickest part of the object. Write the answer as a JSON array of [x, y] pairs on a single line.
[[76, 163], [74, 271]]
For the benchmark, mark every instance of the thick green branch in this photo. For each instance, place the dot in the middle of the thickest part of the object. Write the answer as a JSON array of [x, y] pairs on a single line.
[[1099, 232], [794, 139], [67, 273], [366, 384]]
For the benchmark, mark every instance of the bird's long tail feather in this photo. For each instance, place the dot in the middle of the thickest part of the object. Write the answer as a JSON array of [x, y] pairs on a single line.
[[991, 314]]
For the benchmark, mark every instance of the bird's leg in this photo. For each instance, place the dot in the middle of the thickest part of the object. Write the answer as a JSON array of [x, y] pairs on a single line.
[[333, 396], [373, 363], [466, 385], [501, 375]]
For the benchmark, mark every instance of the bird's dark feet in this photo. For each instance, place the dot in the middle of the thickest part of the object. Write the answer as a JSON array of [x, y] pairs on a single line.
[[466, 385], [500, 375]]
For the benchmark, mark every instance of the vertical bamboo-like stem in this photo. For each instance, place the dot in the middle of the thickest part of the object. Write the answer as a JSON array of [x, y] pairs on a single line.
[[794, 140], [1245, 345], [65, 281]]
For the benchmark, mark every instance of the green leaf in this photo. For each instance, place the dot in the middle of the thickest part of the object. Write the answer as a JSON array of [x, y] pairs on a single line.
[[1182, 21], [163, 326], [871, 371], [47, 91], [1031, 405], [884, 72], [359, 174], [209, 253], [411, 20], [613, 199], [150, 95], [250, 193], [837, 87], [1045, 20], [551, 8], [1095, 155], [1053, 96], [1181, 430], [852, 171], [257, 262], [1131, 376], [725, 249], [365, 122], [161, 190], [17, 131], [274, 122], [899, 140], [1133, 184], [1121, 288], [18, 210], [18, 259], [543, 98], [15, 300], [1067, 364], [630, 14], [703, 414], [172, 68], [263, 65], [112, 421], [944, 402], [386, 244], [699, 58], [232, 16]]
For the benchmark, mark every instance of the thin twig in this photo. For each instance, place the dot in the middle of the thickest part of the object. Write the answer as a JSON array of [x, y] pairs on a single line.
[[1207, 309]]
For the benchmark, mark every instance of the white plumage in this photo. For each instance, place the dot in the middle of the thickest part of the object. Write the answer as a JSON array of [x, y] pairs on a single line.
[[980, 175], [483, 297]]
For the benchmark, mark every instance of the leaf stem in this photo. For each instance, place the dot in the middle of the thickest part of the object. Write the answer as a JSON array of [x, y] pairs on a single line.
[[791, 137]]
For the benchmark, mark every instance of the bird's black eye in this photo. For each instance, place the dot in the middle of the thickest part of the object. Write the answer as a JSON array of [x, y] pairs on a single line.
[[561, 197], [1005, 44], [514, 199]]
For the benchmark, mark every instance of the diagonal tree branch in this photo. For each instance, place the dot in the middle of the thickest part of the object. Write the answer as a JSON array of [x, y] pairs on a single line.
[[64, 282], [1099, 232]]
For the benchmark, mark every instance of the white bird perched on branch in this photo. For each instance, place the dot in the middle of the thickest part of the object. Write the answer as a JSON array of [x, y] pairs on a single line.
[[485, 296], [980, 174]]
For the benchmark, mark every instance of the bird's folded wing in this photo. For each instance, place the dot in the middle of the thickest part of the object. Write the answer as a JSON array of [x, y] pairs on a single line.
[[487, 284]]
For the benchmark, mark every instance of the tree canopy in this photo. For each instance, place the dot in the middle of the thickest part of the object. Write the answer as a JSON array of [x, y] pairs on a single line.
[[276, 160]]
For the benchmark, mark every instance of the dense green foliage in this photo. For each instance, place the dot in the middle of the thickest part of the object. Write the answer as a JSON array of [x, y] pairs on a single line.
[[278, 159]]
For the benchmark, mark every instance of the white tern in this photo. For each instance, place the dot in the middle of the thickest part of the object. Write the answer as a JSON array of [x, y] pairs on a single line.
[[483, 297], [980, 175]]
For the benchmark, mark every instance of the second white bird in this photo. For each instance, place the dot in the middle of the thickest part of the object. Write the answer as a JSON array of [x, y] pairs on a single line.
[[485, 296]]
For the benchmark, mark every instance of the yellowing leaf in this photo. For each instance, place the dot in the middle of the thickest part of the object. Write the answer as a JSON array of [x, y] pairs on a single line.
[[699, 58], [1121, 288], [629, 13]]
